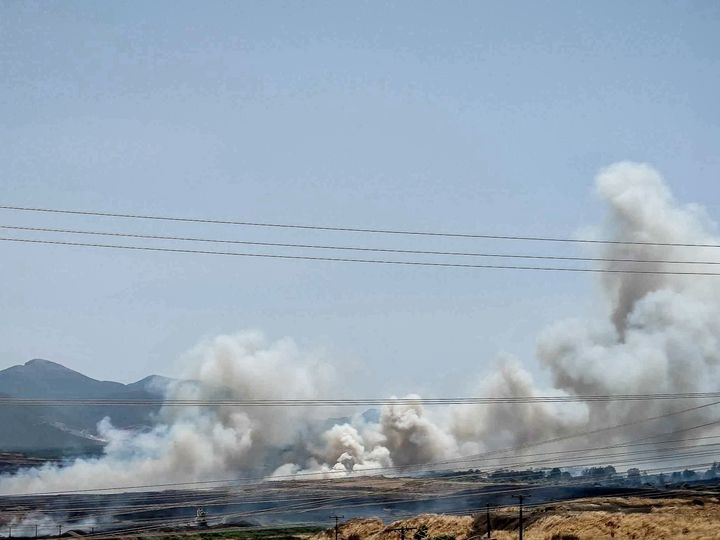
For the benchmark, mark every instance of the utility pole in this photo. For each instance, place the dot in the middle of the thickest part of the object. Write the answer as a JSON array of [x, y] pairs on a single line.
[[337, 520], [520, 498], [403, 530], [36, 530], [487, 521]]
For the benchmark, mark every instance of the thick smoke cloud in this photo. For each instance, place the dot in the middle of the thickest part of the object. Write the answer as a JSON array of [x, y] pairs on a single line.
[[653, 334], [196, 443], [662, 335]]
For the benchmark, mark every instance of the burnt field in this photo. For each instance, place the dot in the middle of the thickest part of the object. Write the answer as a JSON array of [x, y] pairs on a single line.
[[308, 502]]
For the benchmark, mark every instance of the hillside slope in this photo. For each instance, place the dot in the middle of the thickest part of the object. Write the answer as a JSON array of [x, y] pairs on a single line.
[[66, 430]]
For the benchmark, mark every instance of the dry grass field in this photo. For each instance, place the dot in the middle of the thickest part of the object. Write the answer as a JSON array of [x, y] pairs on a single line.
[[602, 518]]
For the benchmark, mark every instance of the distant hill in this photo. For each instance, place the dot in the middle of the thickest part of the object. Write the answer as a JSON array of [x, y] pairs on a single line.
[[71, 430], [66, 430]]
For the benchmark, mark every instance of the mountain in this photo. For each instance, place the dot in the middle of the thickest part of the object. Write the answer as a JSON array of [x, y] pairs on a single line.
[[154, 384], [71, 430], [68, 429]]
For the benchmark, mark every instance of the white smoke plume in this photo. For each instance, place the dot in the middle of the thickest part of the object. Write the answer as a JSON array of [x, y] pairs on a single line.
[[654, 334], [199, 443], [663, 330]]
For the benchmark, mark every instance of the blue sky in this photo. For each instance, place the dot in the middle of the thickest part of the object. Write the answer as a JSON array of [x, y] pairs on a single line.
[[490, 117]]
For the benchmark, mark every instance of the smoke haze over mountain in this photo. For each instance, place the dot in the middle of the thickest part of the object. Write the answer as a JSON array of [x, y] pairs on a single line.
[[653, 334]]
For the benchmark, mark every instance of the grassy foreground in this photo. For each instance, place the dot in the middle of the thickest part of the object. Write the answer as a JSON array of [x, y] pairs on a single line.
[[618, 518]]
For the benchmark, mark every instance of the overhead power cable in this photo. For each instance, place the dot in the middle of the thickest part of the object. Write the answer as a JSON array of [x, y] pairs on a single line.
[[157, 524], [254, 480], [279, 402], [226, 498], [604, 429], [646, 493], [355, 248], [502, 486], [345, 502], [365, 261], [352, 229]]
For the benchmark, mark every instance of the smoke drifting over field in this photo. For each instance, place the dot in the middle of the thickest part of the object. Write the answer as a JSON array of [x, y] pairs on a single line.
[[655, 334]]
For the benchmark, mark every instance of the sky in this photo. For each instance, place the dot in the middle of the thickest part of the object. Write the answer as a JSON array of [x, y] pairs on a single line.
[[485, 117]]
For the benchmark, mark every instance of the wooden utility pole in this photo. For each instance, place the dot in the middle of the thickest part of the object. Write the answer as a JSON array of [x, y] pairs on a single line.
[[403, 530], [520, 498], [337, 520], [487, 520]]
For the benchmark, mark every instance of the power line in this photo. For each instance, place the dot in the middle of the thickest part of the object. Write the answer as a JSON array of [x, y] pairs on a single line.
[[279, 402], [366, 261], [424, 494], [228, 498], [647, 493], [352, 229], [362, 474], [354, 248], [577, 461], [550, 457], [329, 502], [327, 499], [604, 429], [650, 493], [251, 480]]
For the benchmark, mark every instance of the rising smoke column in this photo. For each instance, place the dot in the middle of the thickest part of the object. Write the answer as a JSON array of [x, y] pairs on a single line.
[[662, 332], [652, 334]]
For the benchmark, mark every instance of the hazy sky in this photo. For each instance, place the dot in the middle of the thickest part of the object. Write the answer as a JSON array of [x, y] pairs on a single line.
[[488, 117]]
